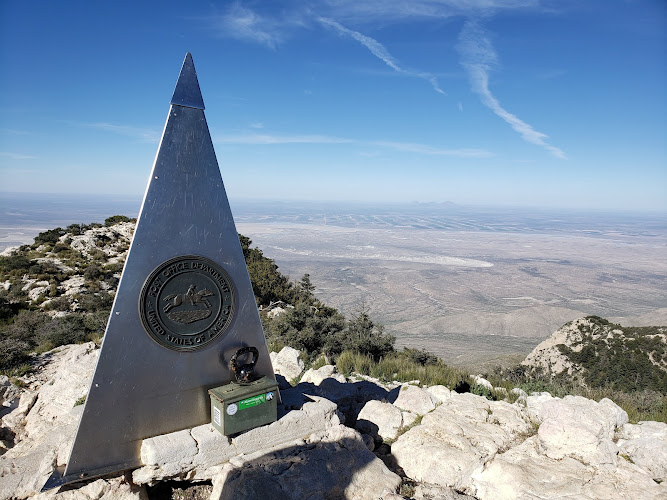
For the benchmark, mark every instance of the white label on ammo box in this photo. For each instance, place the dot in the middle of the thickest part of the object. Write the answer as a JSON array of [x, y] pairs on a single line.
[[216, 416]]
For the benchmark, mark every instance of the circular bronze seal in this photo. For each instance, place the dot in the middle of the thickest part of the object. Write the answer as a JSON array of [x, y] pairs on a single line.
[[186, 303]]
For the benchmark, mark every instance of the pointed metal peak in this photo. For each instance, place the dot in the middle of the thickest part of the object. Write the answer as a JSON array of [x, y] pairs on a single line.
[[187, 91]]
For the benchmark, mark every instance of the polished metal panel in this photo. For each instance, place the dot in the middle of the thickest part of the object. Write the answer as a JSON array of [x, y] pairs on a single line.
[[142, 388], [187, 91]]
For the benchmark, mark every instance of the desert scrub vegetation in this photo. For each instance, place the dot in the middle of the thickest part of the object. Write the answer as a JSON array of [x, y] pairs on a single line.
[[622, 358], [644, 404], [401, 366]]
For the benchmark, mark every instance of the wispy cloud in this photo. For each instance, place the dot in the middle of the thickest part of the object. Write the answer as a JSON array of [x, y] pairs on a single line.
[[358, 12], [411, 147], [245, 24], [379, 51], [407, 147], [478, 58], [17, 156], [143, 134]]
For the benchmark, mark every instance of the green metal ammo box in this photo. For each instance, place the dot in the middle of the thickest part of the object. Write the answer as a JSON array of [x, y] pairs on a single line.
[[238, 407]]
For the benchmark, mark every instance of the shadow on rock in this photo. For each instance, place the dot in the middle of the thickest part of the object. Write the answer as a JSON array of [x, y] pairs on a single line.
[[350, 397], [336, 465]]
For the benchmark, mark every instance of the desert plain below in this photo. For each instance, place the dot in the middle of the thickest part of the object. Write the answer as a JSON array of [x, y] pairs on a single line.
[[477, 286]]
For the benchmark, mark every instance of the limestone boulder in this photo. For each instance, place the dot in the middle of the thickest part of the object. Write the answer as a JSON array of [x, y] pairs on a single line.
[[481, 381], [117, 488], [439, 393], [519, 392], [287, 363], [580, 428], [9, 395], [380, 419], [199, 453], [317, 376], [414, 399], [534, 402], [525, 472], [65, 382], [645, 444], [44, 423], [332, 464], [457, 438]]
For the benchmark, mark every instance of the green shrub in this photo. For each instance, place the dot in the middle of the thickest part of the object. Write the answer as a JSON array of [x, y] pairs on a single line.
[[61, 303], [13, 353], [346, 362], [15, 262], [49, 237], [93, 302], [115, 219], [399, 368], [420, 356], [319, 362], [69, 329]]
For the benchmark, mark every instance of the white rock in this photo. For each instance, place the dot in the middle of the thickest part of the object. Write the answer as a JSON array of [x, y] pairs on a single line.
[[580, 428], [38, 288], [117, 488], [45, 420], [523, 472], [645, 444], [457, 438], [288, 363], [55, 262], [316, 377], [414, 399], [380, 420], [409, 418], [73, 285], [519, 392], [602, 419], [547, 356], [479, 380], [439, 393], [333, 464], [198, 453], [275, 312], [176, 447], [534, 403]]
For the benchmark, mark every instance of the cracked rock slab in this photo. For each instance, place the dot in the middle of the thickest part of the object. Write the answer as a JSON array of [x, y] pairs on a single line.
[[197, 453], [332, 464], [457, 438], [524, 472]]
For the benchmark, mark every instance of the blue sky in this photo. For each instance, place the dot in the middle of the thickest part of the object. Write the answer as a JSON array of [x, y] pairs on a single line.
[[515, 102]]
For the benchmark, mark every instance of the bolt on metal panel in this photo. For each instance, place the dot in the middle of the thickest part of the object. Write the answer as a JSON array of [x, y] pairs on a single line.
[[184, 304]]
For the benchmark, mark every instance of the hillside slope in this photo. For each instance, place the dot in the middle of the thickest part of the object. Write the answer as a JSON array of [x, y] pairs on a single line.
[[604, 354]]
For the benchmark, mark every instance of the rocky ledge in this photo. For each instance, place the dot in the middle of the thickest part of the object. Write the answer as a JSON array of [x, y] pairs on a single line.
[[352, 438]]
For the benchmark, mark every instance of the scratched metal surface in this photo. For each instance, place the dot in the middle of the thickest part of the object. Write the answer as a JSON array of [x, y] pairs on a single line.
[[141, 389]]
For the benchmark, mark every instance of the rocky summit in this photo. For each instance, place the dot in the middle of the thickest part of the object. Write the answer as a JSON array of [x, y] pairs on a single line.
[[344, 437], [601, 353]]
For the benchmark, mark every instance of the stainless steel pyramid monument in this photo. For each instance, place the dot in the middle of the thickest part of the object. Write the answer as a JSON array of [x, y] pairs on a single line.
[[184, 304]]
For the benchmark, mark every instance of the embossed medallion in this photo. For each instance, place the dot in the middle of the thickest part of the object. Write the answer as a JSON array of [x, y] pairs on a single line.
[[186, 303]]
